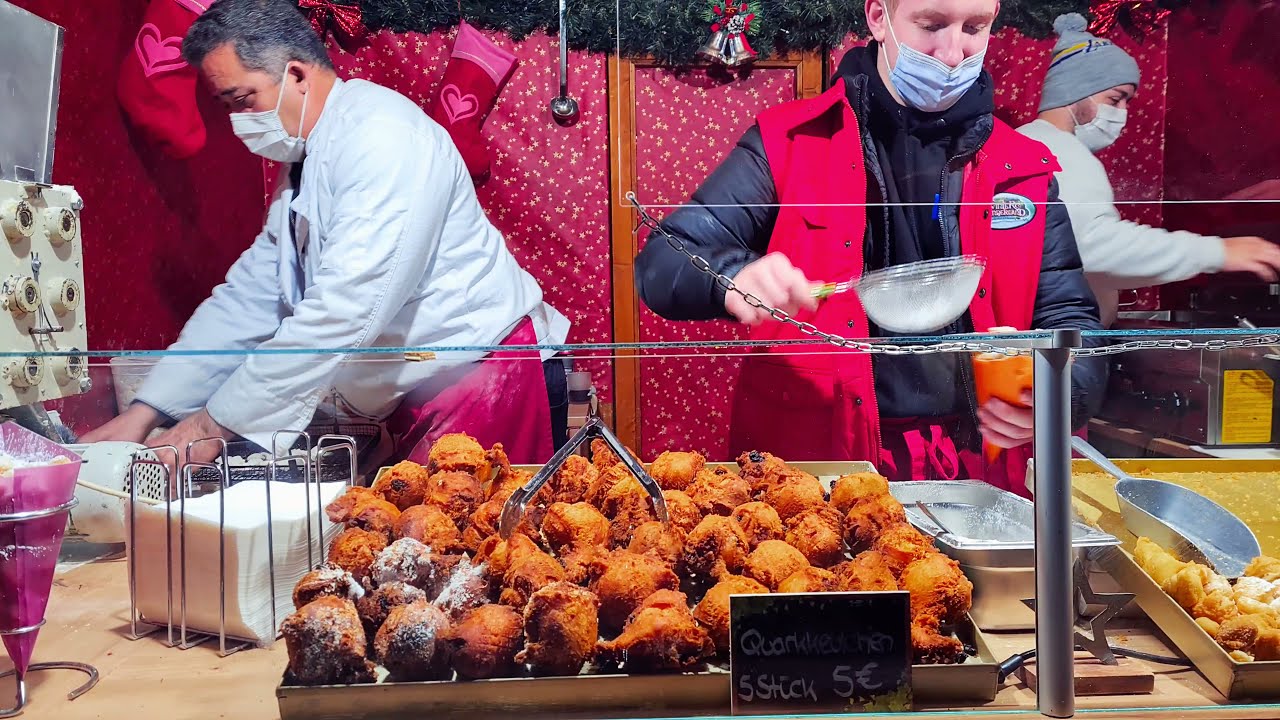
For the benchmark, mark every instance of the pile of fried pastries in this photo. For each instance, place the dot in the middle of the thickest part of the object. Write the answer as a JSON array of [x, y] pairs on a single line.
[[1243, 617], [421, 583]]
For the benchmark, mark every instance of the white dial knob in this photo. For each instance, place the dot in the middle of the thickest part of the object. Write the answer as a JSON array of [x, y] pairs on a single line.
[[68, 368], [25, 373], [18, 219], [62, 224], [64, 294], [21, 295]]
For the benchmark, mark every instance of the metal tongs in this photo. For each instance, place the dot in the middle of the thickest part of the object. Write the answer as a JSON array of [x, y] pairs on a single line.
[[516, 505], [1190, 525]]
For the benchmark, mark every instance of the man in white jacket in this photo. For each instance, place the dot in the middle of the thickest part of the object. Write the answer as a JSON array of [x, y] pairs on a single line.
[[375, 239], [1083, 108]]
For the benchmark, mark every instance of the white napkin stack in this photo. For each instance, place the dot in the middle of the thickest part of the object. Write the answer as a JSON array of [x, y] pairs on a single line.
[[248, 578]]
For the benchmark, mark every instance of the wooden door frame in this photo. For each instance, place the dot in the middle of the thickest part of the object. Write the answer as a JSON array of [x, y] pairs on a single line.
[[809, 70]]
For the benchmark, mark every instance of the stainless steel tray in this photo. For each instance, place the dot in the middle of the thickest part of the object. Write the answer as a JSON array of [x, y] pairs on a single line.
[[601, 696], [985, 526]]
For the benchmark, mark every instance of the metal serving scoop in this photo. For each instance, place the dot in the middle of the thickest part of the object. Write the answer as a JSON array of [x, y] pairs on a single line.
[[1188, 524]]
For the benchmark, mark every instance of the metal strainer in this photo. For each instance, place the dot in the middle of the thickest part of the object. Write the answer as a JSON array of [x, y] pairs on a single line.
[[920, 297]]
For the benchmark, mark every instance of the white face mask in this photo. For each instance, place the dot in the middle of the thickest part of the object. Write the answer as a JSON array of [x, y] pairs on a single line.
[[1105, 128], [264, 134], [925, 82]]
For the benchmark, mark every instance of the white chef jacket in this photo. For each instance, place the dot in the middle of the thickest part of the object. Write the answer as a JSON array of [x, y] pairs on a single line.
[[393, 250]]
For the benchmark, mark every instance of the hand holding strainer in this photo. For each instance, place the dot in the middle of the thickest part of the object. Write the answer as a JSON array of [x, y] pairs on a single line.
[[914, 298]]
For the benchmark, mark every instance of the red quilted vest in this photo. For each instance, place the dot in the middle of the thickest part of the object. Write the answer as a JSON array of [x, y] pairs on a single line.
[[818, 402]]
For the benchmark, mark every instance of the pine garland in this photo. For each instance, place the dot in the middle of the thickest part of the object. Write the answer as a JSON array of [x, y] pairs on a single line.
[[672, 30]]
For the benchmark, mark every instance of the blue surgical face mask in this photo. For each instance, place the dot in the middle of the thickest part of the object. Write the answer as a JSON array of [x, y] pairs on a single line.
[[925, 82]]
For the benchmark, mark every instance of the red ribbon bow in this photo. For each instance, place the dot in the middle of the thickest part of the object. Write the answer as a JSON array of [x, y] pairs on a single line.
[[344, 21], [1143, 15]]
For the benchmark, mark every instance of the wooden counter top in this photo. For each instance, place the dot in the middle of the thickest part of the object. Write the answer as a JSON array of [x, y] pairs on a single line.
[[88, 618]]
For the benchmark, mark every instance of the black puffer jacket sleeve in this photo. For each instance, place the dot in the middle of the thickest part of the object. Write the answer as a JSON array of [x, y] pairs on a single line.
[[727, 222], [1064, 300]]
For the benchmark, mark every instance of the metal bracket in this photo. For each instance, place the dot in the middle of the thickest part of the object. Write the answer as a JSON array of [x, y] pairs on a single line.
[[516, 505]]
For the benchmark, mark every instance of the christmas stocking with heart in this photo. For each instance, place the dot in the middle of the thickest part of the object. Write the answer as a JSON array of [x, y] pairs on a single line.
[[156, 87], [478, 69]]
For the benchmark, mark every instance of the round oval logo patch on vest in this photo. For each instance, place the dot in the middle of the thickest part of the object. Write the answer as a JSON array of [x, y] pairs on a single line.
[[1009, 211]]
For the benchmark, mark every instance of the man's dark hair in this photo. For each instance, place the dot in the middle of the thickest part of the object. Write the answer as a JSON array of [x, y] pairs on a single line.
[[266, 35]]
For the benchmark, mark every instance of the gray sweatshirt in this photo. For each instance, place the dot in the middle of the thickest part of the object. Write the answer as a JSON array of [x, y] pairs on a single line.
[[1118, 254]]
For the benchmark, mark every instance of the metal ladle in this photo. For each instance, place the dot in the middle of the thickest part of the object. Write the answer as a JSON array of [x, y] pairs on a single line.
[[564, 108], [1183, 521]]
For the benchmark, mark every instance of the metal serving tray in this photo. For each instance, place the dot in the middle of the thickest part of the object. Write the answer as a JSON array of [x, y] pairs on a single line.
[[990, 532], [602, 696]]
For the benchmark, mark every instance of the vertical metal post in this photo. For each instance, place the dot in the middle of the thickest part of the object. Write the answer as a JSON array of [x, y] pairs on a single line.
[[1055, 609]]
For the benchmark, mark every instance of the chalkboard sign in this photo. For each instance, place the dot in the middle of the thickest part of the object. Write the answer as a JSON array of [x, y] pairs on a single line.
[[820, 653]]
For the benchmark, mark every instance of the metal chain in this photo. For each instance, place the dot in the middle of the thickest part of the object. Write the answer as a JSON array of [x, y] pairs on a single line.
[[811, 330]]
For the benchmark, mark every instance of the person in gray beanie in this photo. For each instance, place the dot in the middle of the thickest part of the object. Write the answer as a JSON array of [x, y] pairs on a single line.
[[1083, 110]]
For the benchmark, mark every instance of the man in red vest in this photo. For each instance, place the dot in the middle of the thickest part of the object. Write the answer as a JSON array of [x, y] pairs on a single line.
[[902, 160]]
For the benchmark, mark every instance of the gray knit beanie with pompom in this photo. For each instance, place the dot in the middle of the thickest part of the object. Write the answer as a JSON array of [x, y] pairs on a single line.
[[1083, 65]]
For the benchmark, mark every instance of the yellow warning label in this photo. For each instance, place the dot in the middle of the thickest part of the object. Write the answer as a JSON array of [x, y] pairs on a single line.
[[1247, 397]]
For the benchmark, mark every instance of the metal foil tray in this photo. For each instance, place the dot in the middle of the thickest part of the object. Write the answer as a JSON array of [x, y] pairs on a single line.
[[985, 526], [602, 696]]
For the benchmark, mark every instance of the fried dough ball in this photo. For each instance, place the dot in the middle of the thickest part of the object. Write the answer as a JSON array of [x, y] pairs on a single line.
[[403, 485], [459, 452], [339, 509], [676, 470], [570, 483], [869, 571], [1216, 606], [508, 482], [398, 562], [377, 605], [1209, 626], [850, 489], [1267, 646], [326, 644], [374, 514], [467, 587], [713, 611], [1154, 560], [761, 469], [484, 644], [660, 636], [718, 491], [931, 647], [458, 494], [901, 545], [411, 642], [629, 506], [759, 521], [1187, 585], [585, 563], [656, 540], [527, 575], [809, 580], [485, 522], [1241, 632], [328, 579], [717, 546], [794, 494], [500, 468], [604, 483], [561, 627], [355, 550], [682, 511], [429, 525], [1252, 588], [869, 518], [629, 578], [497, 555], [603, 458], [772, 562], [1264, 567], [813, 534], [938, 588], [566, 526]]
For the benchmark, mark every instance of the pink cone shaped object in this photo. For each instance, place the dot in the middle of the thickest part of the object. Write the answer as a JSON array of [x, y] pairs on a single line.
[[29, 547]]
